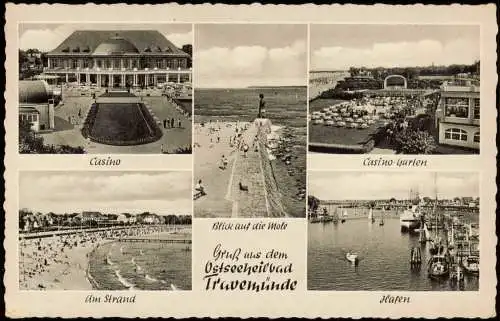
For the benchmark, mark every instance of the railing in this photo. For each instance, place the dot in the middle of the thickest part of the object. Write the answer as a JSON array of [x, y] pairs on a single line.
[[103, 70]]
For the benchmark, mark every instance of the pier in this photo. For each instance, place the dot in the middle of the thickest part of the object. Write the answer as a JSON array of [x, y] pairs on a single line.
[[246, 187], [155, 240]]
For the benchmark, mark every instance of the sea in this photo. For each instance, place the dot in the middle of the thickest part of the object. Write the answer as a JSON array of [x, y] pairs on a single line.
[[285, 107], [384, 253], [141, 266]]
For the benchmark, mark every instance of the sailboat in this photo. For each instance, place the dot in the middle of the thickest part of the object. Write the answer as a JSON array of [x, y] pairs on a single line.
[[436, 245], [370, 216], [381, 223]]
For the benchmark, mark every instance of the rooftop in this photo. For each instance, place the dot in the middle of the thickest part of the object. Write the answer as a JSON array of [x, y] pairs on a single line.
[[106, 42]]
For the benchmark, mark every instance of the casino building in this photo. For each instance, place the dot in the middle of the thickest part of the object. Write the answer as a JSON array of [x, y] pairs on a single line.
[[458, 114], [121, 58]]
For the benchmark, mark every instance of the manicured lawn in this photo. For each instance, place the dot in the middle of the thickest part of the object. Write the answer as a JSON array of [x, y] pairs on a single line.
[[120, 122], [341, 135]]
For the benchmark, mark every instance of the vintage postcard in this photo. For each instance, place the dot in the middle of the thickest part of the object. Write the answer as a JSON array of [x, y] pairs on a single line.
[[271, 161]]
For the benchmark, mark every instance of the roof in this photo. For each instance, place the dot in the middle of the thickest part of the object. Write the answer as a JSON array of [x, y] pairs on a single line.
[[28, 110], [115, 45], [86, 42], [34, 92]]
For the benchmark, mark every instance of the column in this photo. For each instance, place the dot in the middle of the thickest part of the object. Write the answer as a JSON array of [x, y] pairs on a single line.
[[87, 78], [67, 78], [95, 63], [166, 77], [178, 78], [78, 79], [110, 80], [155, 80], [48, 62], [123, 80], [121, 63], [190, 77], [98, 80], [135, 80], [130, 63]]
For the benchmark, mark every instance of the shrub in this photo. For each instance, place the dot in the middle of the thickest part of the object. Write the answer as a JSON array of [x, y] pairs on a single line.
[[411, 141]]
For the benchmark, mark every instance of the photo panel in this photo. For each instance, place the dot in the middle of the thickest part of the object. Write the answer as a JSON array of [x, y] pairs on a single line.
[[250, 114], [105, 88], [393, 231], [105, 230], [394, 89]]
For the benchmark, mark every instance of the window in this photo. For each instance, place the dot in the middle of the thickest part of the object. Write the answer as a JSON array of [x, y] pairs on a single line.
[[476, 108], [99, 63], [74, 63], [457, 107], [476, 137], [455, 134]]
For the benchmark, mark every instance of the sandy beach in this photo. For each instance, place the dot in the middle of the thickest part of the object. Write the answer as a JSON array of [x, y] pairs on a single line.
[[247, 186], [61, 262]]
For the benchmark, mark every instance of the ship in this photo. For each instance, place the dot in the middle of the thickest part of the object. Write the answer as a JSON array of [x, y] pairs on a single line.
[[410, 219]]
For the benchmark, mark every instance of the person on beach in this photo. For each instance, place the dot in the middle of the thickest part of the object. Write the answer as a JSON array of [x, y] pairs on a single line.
[[224, 162], [172, 122], [199, 188], [179, 123], [245, 150], [165, 123], [262, 106]]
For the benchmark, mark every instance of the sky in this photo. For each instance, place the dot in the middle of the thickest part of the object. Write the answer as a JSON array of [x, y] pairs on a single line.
[[242, 55], [47, 36], [108, 192], [385, 185], [338, 47]]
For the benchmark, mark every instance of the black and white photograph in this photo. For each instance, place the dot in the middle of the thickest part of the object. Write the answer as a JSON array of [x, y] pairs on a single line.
[[394, 89], [103, 230], [398, 231], [250, 113], [105, 88]]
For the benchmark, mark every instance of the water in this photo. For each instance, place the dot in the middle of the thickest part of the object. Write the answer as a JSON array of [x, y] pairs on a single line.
[[141, 266], [284, 105], [384, 258]]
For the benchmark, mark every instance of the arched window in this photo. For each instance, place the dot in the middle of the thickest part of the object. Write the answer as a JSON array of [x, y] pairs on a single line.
[[455, 134], [476, 137]]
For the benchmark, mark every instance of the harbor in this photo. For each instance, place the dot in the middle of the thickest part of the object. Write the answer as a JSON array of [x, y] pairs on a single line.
[[395, 244]]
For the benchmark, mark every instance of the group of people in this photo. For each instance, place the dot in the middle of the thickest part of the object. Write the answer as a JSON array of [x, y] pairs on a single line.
[[39, 255], [170, 123]]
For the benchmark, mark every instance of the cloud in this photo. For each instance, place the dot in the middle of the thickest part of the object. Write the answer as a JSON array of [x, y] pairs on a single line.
[[66, 192], [397, 54], [355, 185], [180, 39], [43, 39], [243, 66]]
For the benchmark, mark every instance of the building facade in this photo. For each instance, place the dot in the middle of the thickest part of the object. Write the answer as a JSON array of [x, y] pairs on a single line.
[[36, 105], [458, 114], [131, 58]]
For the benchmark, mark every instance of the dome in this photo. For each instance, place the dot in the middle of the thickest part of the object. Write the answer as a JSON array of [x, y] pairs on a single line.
[[34, 91], [115, 45]]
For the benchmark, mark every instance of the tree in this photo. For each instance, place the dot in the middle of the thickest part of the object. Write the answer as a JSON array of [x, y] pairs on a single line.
[[411, 141]]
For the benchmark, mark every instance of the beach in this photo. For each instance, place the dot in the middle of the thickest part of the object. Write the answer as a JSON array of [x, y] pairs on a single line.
[[63, 261]]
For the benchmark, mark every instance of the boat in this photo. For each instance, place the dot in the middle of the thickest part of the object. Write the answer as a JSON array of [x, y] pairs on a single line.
[[457, 275], [438, 266], [381, 223], [471, 264], [370, 216], [352, 257], [410, 219]]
